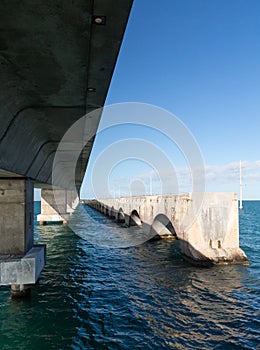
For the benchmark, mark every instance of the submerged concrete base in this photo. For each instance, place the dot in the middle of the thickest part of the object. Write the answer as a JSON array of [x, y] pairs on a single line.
[[19, 272], [213, 256], [20, 291]]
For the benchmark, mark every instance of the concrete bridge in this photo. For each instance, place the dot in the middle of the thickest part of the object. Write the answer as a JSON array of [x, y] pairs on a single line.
[[56, 63], [205, 223]]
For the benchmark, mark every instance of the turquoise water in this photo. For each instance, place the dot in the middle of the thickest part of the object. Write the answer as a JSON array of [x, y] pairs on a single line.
[[143, 297]]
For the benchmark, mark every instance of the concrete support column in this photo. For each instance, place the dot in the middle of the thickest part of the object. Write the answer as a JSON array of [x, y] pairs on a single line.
[[127, 220], [20, 261], [20, 290], [16, 219], [57, 205], [213, 237]]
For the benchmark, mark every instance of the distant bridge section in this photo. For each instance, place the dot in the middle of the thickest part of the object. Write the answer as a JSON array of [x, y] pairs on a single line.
[[206, 224]]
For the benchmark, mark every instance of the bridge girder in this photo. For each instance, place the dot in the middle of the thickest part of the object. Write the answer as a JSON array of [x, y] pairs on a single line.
[[56, 64]]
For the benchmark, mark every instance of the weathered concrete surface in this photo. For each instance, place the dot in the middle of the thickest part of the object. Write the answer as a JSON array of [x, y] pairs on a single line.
[[56, 64], [20, 261], [16, 219], [24, 271], [206, 224], [57, 205]]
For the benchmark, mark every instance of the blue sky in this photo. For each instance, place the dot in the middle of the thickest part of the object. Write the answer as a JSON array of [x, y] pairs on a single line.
[[199, 60]]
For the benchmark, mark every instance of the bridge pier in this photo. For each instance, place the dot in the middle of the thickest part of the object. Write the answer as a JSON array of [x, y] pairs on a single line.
[[21, 262], [133, 219], [56, 206], [213, 236]]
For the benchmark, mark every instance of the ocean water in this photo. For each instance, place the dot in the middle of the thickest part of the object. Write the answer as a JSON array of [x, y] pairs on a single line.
[[142, 297]]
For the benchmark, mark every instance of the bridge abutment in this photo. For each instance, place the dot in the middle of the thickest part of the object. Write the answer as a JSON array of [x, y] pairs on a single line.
[[21, 262]]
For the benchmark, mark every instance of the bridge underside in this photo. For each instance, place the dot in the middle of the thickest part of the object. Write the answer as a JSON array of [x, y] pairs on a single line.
[[56, 63]]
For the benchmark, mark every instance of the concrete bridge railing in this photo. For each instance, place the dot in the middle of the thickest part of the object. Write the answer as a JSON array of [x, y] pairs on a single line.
[[206, 224]]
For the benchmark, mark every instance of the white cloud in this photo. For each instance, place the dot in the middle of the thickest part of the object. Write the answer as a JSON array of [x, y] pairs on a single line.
[[230, 172], [223, 177], [218, 178]]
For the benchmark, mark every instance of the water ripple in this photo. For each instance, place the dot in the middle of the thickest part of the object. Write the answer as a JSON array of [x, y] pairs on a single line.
[[143, 297]]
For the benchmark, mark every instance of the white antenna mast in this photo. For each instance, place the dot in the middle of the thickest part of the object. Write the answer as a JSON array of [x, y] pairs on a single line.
[[241, 188]]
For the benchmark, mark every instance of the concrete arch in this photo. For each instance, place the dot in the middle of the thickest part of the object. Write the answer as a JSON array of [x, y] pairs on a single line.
[[120, 217], [163, 227], [134, 219]]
